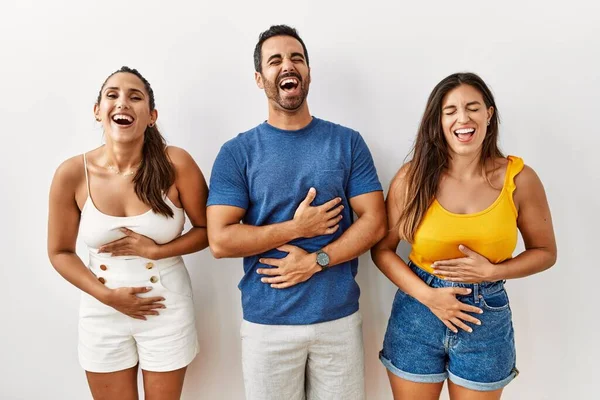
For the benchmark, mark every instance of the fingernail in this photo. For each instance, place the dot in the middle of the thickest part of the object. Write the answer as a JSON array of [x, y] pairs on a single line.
[[262, 280], [478, 322], [470, 330], [148, 287], [312, 189], [480, 311], [468, 290]]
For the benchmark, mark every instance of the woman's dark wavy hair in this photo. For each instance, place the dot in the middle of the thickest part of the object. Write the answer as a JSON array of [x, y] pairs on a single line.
[[156, 174], [430, 154]]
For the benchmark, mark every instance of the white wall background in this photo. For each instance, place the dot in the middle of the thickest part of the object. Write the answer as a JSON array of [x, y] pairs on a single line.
[[373, 66]]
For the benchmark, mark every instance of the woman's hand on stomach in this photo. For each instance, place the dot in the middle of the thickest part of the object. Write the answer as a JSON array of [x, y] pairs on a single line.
[[133, 244], [126, 301], [452, 312], [473, 268]]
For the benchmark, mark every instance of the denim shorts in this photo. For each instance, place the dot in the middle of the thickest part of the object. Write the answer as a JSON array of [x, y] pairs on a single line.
[[418, 347]]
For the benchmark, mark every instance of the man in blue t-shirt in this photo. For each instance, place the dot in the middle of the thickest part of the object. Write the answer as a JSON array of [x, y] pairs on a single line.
[[294, 182]]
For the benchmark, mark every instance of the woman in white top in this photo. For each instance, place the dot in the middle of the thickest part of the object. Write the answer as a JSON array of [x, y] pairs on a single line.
[[126, 200]]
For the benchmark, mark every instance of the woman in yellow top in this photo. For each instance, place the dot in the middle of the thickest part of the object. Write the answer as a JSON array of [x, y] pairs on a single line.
[[459, 202]]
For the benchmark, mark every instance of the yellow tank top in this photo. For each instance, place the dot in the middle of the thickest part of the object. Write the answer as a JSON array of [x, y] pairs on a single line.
[[491, 232]]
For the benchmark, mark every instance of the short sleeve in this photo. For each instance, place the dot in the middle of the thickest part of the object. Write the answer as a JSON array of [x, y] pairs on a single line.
[[228, 184], [363, 175]]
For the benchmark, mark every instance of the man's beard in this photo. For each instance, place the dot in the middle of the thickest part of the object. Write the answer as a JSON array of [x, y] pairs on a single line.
[[290, 103]]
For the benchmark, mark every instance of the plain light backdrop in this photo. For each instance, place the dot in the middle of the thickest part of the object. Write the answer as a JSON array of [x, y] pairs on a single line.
[[373, 65]]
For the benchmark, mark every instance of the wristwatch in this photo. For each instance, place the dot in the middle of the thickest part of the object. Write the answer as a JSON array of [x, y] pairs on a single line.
[[323, 259]]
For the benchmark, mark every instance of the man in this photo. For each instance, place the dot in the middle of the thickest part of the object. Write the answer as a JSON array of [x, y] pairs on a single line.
[[294, 181]]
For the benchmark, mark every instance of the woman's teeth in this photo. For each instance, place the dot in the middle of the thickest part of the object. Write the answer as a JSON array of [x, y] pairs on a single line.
[[122, 119], [465, 130], [465, 134]]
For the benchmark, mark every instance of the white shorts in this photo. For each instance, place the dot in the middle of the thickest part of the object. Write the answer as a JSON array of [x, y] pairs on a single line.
[[110, 341], [321, 361]]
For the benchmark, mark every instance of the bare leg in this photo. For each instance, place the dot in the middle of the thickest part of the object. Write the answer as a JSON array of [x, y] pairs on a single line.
[[407, 390], [120, 385], [462, 393], [163, 385]]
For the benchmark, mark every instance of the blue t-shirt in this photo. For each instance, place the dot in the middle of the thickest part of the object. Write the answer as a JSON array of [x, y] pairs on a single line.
[[268, 172]]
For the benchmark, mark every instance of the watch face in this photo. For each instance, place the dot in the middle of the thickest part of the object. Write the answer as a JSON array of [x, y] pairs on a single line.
[[322, 259]]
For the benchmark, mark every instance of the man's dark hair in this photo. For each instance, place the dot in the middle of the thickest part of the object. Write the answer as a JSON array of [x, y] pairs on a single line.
[[275, 30]]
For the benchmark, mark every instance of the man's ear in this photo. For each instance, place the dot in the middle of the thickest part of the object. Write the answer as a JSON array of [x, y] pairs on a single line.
[[259, 80]]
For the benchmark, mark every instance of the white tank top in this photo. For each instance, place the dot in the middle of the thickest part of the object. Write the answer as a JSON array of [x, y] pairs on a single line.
[[97, 228]]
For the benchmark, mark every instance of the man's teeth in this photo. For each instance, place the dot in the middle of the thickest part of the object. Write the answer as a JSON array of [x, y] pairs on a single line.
[[463, 131], [286, 81]]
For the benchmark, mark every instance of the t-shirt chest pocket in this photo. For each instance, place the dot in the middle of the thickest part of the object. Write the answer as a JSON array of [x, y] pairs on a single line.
[[329, 184]]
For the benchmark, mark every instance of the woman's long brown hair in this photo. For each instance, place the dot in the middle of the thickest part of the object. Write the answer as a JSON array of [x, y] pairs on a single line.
[[156, 174], [430, 156]]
